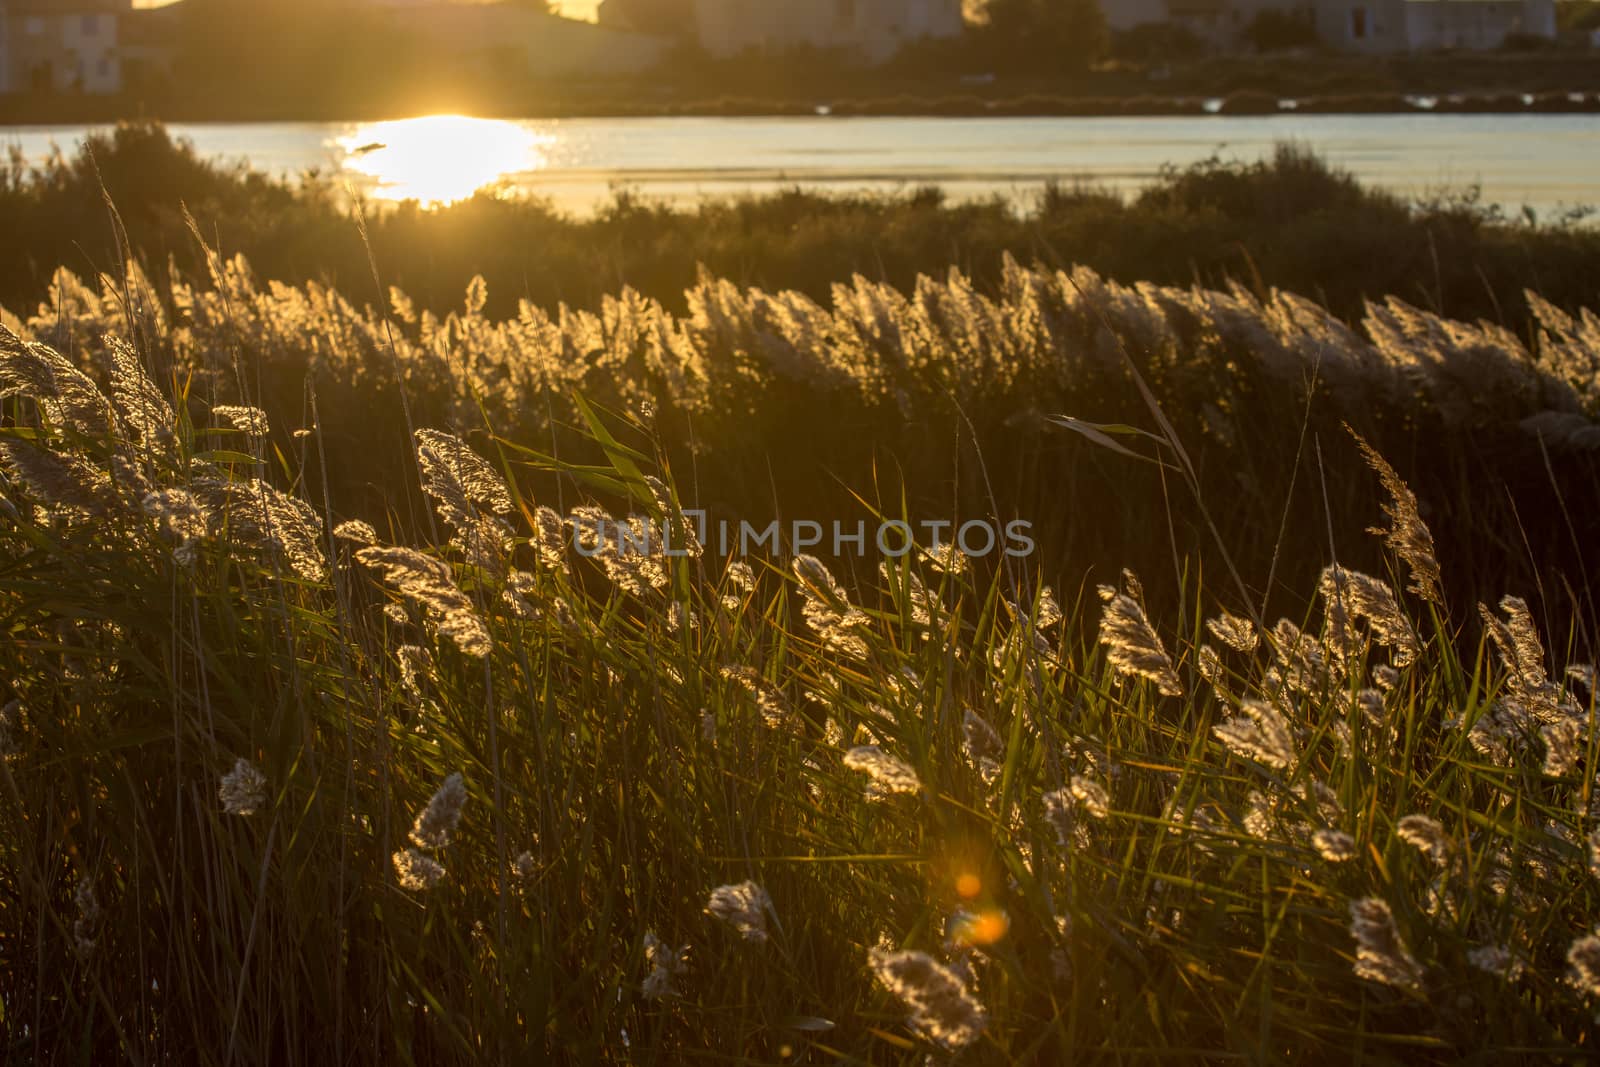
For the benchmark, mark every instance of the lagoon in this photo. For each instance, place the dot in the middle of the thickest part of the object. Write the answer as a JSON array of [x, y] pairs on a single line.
[[1547, 163]]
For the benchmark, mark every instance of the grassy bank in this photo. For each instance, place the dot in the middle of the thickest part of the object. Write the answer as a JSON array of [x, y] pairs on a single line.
[[1158, 99], [395, 81]]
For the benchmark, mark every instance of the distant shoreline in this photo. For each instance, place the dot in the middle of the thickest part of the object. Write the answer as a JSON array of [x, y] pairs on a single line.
[[71, 111]]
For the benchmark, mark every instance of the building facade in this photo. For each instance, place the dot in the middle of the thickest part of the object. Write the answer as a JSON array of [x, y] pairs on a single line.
[[63, 47], [5, 50], [517, 39], [875, 29], [1363, 26], [1479, 24]]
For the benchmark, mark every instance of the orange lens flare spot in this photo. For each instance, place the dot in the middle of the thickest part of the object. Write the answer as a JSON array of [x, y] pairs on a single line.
[[985, 928], [968, 886]]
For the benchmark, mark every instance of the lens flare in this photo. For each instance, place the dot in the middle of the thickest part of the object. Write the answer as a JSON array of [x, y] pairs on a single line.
[[984, 928], [440, 159]]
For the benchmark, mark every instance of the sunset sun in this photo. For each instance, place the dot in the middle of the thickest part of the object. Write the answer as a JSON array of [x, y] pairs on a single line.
[[440, 158]]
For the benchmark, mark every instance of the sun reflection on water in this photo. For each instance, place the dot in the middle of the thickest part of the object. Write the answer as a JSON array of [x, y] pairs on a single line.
[[439, 159]]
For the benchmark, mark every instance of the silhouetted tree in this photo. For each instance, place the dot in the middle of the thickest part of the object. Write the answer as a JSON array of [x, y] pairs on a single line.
[[1273, 30], [1044, 35], [670, 18]]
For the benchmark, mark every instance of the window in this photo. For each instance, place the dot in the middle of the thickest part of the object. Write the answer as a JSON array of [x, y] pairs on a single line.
[[34, 26], [90, 23], [1358, 23]]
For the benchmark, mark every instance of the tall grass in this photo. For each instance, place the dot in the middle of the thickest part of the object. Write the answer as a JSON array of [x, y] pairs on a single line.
[[297, 772], [936, 401]]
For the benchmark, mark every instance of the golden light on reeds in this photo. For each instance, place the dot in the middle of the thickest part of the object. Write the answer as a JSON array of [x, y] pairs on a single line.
[[439, 159]]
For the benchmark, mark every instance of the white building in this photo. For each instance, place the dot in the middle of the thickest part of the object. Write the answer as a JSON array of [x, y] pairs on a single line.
[[69, 46], [1372, 26], [516, 39], [1475, 24], [876, 29], [5, 51]]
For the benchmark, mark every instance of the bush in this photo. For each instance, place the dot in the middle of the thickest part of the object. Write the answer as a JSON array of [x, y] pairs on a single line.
[[1275, 31], [1157, 42]]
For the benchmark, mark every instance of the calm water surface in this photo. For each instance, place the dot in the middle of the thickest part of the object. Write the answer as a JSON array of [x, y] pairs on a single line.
[[1547, 162]]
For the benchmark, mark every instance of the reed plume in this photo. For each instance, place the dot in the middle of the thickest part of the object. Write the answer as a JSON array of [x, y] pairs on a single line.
[[744, 906], [1381, 956], [942, 1009], [244, 789], [1407, 534], [1132, 647]]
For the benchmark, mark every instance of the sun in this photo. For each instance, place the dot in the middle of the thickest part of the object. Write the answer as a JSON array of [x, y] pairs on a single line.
[[439, 159]]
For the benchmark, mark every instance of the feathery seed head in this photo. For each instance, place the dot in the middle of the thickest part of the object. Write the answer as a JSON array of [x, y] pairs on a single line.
[[251, 421], [1262, 733], [417, 870], [58, 479], [666, 965], [10, 728], [244, 789], [1091, 795], [1048, 613], [742, 576], [1497, 960], [356, 532], [259, 515], [180, 516], [1335, 846], [1132, 647], [428, 582], [1584, 957], [1348, 595], [775, 713], [1407, 535], [942, 1008], [1427, 836], [889, 774], [1235, 632], [1381, 956], [443, 813], [982, 746], [86, 927], [525, 866], [744, 907]]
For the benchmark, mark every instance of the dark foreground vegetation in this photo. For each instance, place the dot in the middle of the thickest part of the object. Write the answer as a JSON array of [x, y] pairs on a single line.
[[329, 731]]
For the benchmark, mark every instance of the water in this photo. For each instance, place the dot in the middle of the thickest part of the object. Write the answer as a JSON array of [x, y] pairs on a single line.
[[1547, 162]]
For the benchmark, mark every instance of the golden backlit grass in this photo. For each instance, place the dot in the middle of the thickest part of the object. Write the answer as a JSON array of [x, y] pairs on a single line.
[[279, 789]]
